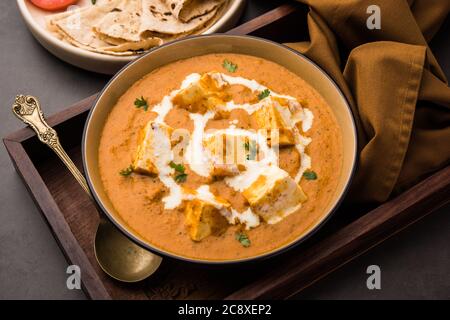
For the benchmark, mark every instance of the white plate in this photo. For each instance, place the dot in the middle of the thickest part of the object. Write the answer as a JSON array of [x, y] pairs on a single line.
[[97, 62]]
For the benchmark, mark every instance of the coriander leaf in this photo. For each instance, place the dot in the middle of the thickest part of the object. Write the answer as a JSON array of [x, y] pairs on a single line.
[[127, 171], [243, 239], [141, 103], [310, 175], [230, 66], [264, 94], [181, 177], [177, 167], [250, 147]]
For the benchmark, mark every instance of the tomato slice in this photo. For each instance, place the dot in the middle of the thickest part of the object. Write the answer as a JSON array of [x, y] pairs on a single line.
[[52, 5]]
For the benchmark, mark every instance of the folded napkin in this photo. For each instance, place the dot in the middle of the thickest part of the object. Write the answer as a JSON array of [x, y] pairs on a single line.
[[398, 92]]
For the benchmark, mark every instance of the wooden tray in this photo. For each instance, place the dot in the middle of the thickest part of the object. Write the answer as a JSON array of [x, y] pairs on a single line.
[[73, 219]]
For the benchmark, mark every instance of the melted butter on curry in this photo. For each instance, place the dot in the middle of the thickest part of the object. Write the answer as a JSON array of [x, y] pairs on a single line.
[[188, 186]]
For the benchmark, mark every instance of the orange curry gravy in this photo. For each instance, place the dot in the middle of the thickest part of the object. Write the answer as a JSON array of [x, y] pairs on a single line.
[[138, 198]]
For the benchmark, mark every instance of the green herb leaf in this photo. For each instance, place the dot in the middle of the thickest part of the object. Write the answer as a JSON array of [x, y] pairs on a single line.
[[243, 239], [177, 167], [310, 175], [230, 66], [94, 2], [250, 147], [181, 177], [141, 103], [264, 94], [127, 171]]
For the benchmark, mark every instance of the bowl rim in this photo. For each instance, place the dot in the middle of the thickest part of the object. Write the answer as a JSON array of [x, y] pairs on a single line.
[[263, 256], [35, 27]]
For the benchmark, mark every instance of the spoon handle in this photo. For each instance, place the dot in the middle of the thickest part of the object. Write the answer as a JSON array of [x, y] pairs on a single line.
[[28, 109], [110, 244]]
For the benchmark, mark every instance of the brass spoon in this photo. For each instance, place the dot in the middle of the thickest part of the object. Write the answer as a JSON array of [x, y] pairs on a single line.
[[118, 256]]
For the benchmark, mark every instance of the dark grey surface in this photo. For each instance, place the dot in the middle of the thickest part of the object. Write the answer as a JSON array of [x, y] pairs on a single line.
[[414, 264]]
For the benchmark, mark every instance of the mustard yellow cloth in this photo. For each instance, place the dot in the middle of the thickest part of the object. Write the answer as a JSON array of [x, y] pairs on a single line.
[[398, 92]]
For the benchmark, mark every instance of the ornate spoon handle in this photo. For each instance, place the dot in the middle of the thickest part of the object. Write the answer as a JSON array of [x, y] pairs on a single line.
[[28, 109]]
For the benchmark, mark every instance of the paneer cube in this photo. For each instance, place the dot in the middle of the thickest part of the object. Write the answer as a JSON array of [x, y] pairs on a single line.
[[154, 145], [274, 197], [275, 119], [204, 219], [225, 170], [227, 153], [201, 96]]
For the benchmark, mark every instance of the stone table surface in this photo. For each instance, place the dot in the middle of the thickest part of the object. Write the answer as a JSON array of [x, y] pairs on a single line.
[[414, 264]]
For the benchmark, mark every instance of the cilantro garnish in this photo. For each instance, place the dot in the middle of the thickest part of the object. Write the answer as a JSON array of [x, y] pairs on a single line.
[[310, 175], [181, 176], [141, 103], [127, 171], [243, 239], [230, 66], [264, 94]]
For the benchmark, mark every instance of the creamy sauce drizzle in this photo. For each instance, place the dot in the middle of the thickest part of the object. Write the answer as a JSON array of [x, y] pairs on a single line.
[[247, 218], [200, 162], [195, 154], [163, 155]]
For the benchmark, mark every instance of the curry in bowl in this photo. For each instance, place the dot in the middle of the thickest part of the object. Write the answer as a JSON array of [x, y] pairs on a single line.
[[221, 157]]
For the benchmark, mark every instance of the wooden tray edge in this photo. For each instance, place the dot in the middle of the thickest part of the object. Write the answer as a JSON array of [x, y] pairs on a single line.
[[353, 240], [92, 285], [264, 19], [387, 220]]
